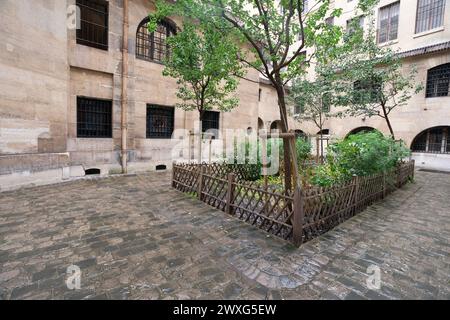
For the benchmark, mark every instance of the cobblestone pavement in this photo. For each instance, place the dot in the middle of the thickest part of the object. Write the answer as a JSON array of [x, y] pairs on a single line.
[[135, 238]]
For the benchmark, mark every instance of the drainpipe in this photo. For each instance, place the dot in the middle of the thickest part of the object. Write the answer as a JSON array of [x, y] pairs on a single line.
[[124, 106]]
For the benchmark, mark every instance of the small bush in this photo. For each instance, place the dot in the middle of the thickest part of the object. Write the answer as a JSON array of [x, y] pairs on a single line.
[[359, 155]]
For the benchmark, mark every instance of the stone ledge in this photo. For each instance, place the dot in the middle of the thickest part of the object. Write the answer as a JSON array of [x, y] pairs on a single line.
[[15, 163]]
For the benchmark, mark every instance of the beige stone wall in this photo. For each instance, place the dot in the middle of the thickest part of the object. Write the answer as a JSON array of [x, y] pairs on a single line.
[[43, 70], [420, 113], [33, 76]]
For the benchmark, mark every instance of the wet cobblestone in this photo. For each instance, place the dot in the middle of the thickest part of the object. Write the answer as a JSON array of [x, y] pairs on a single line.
[[136, 238]]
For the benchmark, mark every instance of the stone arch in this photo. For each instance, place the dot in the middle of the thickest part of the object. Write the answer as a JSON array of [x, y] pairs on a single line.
[[432, 140], [361, 129], [261, 125], [276, 125]]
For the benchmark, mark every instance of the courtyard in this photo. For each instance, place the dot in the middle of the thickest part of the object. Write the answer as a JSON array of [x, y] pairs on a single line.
[[133, 237]]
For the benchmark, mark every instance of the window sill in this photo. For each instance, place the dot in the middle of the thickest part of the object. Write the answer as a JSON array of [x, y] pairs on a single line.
[[428, 32], [388, 43]]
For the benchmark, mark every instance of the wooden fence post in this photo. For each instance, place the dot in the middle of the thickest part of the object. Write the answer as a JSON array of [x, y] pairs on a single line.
[[384, 185], [298, 218], [230, 192], [200, 182], [174, 167], [357, 182]]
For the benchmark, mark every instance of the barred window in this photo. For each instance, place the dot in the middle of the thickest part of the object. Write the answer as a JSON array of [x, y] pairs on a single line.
[[430, 14], [433, 140], [94, 118], [388, 22], [210, 123], [438, 81], [152, 46], [366, 91], [93, 31], [160, 122]]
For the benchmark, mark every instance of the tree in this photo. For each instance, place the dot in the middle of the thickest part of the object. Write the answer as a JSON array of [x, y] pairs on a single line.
[[371, 78], [312, 101], [277, 31], [204, 62]]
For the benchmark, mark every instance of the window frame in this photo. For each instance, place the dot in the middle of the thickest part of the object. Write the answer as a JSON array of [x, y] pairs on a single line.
[[388, 7], [82, 132], [429, 22], [89, 42], [161, 134], [148, 40]]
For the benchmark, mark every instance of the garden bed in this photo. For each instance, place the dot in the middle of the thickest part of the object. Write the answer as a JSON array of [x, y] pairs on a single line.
[[297, 216]]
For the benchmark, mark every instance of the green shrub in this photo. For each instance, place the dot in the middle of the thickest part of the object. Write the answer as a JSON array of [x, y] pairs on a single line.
[[359, 155]]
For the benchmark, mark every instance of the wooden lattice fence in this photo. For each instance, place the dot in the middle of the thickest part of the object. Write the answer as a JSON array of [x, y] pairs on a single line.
[[298, 216]]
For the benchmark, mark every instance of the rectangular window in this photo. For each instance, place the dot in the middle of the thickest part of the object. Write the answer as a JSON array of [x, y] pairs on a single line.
[[210, 123], [430, 15], [160, 122], [351, 22], [329, 21], [94, 118], [388, 22], [93, 30]]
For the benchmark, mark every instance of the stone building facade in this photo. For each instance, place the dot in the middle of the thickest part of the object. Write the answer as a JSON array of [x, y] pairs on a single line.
[[420, 31], [50, 73]]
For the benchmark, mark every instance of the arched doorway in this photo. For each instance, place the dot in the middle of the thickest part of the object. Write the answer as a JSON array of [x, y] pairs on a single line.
[[324, 132], [360, 130], [260, 124], [432, 140], [276, 125], [300, 134]]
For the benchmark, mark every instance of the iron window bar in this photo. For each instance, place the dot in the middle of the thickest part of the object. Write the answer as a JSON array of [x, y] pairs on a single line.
[[160, 122], [438, 81], [94, 118], [94, 20]]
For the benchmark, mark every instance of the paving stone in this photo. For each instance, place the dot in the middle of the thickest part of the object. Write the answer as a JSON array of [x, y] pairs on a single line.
[[136, 238]]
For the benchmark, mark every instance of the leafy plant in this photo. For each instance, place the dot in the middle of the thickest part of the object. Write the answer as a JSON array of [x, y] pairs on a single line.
[[359, 155]]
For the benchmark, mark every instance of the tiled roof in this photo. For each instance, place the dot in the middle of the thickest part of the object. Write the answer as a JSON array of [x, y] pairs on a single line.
[[428, 49]]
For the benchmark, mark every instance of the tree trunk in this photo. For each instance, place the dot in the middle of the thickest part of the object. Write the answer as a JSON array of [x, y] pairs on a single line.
[[289, 147], [388, 122]]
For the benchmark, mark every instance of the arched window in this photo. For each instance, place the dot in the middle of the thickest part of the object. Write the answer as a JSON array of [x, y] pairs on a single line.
[[153, 46], [433, 140], [438, 81]]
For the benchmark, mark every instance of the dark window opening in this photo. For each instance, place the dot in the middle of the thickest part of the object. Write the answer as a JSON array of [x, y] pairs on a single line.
[[91, 172], [161, 167], [434, 140], [438, 81], [93, 31], [324, 132], [160, 122], [367, 90], [326, 102], [153, 46], [259, 94], [94, 118], [210, 123]]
